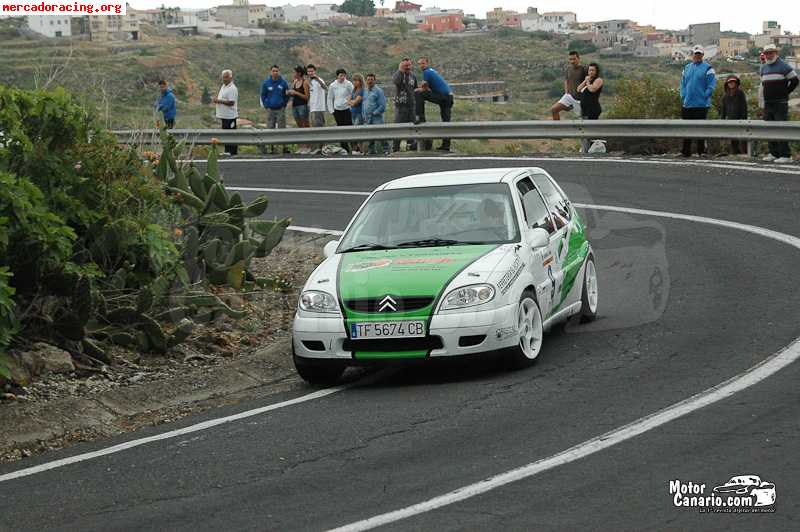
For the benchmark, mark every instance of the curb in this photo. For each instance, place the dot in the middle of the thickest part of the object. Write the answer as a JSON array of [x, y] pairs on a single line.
[[43, 426]]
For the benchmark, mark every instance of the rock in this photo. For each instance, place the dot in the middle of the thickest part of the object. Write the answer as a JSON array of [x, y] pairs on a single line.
[[45, 358]]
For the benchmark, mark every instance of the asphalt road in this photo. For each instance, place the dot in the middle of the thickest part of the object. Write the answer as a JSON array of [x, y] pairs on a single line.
[[684, 306]]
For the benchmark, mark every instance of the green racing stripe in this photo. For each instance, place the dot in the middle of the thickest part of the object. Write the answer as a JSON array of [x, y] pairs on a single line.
[[403, 273], [577, 249]]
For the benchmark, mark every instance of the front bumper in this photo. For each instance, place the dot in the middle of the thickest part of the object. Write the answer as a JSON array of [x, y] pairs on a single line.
[[462, 333]]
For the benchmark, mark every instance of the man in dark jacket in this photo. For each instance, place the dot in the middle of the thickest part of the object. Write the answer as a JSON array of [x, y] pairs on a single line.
[[166, 104], [405, 82], [274, 98], [734, 107], [778, 80]]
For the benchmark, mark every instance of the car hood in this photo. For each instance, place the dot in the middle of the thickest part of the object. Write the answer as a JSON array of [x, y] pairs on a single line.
[[407, 272]]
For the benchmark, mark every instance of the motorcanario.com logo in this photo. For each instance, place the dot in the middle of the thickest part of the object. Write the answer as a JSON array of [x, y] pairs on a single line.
[[740, 494]]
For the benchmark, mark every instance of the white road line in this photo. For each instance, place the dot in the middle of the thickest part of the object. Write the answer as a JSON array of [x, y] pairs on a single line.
[[757, 373], [725, 165], [167, 435], [315, 230], [298, 190]]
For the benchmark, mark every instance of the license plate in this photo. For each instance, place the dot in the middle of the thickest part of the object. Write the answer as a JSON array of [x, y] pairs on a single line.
[[387, 329]]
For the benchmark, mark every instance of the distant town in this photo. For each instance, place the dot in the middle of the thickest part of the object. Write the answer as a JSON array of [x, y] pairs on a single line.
[[618, 37]]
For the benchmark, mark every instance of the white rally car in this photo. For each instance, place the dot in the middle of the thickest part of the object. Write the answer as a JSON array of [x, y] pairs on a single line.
[[446, 264]]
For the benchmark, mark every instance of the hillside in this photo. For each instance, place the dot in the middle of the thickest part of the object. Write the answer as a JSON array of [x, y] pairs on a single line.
[[120, 78]]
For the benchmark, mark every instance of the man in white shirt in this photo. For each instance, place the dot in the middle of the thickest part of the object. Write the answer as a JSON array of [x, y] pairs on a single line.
[[339, 93], [317, 99], [227, 102]]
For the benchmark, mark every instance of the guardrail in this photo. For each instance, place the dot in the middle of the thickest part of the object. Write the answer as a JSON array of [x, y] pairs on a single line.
[[748, 130]]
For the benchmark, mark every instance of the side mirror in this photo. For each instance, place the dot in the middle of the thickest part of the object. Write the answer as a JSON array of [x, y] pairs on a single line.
[[539, 238], [330, 248]]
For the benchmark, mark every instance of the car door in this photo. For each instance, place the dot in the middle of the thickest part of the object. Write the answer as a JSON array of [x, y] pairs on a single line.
[[570, 249], [546, 270]]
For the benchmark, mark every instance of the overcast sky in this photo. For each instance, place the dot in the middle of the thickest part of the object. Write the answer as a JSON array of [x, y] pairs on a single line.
[[734, 15]]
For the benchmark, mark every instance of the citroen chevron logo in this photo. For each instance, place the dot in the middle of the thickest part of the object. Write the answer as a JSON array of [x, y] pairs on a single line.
[[387, 303]]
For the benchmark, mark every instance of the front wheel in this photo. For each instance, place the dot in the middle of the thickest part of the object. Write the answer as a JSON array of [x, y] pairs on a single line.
[[530, 332], [318, 372], [589, 297]]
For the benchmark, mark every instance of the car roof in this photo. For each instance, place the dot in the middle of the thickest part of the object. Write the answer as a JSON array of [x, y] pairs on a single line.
[[458, 177]]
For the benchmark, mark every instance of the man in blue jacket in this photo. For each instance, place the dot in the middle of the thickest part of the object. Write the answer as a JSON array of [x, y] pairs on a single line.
[[274, 98], [433, 89], [697, 86], [166, 104], [374, 108]]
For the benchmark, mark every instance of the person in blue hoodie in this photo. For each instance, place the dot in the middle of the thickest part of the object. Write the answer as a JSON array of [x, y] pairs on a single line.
[[697, 86], [374, 108], [166, 104], [274, 97]]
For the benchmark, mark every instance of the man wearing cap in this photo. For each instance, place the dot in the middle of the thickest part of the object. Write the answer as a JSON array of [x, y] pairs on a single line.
[[777, 80], [697, 86]]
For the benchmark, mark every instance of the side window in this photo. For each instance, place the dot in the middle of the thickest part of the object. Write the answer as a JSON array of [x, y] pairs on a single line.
[[536, 213], [558, 204]]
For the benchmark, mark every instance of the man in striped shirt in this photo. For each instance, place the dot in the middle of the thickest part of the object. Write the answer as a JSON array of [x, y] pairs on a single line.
[[777, 80]]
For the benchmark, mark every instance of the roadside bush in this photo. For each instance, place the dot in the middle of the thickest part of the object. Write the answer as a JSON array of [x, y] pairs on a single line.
[[644, 98], [92, 246]]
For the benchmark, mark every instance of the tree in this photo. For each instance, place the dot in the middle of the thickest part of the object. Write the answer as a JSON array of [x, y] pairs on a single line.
[[359, 8], [205, 98], [403, 26]]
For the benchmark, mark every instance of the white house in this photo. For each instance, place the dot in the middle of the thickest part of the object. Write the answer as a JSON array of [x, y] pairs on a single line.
[[311, 13], [52, 26], [552, 22]]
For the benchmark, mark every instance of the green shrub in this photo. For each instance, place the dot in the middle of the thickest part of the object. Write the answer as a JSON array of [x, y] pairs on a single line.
[[556, 89], [645, 98], [581, 46]]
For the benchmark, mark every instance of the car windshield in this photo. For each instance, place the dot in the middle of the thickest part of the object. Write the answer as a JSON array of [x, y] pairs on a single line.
[[434, 216]]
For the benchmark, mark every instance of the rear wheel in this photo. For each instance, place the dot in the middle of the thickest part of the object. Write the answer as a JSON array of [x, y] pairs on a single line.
[[589, 295], [319, 372], [530, 332]]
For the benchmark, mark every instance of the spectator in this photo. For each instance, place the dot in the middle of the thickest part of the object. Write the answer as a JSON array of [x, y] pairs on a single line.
[[374, 108], [734, 107], [227, 110], [404, 84], [434, 89], [778, 80], [697, 86], [274, 97], [356, 102], [166, 104], [299, 93], [763, 59], [338, 101], [589, 93], [574, 75], [317, 99]]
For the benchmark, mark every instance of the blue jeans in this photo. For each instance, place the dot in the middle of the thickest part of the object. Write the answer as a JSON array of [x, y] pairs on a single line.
[[372, 119]]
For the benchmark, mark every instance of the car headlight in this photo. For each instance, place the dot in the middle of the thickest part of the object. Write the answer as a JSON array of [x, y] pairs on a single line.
[[468, 296], [316, 301]]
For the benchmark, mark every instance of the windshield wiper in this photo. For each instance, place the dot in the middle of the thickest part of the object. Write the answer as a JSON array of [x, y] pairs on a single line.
[[367, 247], [436, 241]]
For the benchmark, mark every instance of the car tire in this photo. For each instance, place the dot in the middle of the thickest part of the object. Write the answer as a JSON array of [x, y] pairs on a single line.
[[530, 331], [589, 294], [318, 372]]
